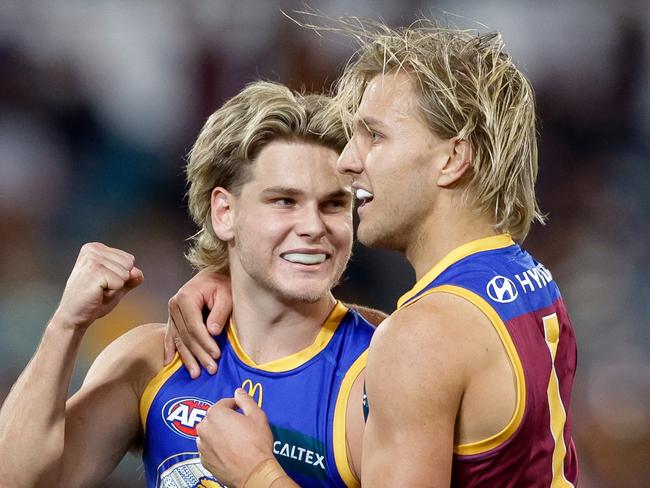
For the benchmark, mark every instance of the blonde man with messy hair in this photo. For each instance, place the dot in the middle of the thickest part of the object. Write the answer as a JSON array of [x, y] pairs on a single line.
[[277, 217], [469, 381], [466, 86]]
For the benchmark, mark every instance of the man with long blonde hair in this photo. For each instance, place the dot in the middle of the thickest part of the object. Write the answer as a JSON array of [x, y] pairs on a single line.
[[469, 381], [275, 215]]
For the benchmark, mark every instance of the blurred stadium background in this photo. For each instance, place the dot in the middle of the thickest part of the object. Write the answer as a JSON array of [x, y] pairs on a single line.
[[101, 100]]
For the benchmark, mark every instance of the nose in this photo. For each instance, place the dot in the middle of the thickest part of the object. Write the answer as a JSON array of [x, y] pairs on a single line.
[[350, 161], [310, 223]]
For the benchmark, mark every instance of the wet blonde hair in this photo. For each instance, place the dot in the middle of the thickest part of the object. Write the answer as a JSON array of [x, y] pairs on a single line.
[[467, 87], [233, 136]]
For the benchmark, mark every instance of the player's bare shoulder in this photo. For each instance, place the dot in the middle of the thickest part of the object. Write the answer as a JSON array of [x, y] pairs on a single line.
[[136, 355], [439, 327], [425, 319], [442, 313]]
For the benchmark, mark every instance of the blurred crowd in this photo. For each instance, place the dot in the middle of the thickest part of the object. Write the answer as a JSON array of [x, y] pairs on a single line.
[[100, 102]]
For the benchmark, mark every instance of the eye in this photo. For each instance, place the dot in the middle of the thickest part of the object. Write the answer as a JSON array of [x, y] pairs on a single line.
[[374, 136], [284, 202], [336, 205]]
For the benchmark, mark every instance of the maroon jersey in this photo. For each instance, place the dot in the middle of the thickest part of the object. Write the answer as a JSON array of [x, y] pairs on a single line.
[[524, 304]]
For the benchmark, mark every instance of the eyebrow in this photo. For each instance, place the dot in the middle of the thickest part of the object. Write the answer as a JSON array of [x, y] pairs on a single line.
[[283, 190], [366, 121]]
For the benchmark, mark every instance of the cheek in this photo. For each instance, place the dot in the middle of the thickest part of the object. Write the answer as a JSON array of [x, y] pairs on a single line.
[[347, 243], [408, 174], [343, 233], [266, 225], [386, 166]]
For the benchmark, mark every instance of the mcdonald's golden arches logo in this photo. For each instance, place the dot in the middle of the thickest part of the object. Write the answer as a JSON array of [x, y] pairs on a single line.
[[252, 389]]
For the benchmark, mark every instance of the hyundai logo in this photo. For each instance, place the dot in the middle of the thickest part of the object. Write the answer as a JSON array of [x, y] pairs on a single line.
[[501, 289]]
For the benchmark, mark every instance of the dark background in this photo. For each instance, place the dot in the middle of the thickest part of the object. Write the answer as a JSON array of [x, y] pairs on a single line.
[[101, 100]]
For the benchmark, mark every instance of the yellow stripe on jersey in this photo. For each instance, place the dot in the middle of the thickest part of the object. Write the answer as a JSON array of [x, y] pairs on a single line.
[[499, 438], [340, 416], [152, 388], [485, 244], [556, 408], [294, 360]]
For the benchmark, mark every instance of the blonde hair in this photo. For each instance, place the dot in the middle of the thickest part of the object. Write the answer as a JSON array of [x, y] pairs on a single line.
[[467, 87], [231, 139]]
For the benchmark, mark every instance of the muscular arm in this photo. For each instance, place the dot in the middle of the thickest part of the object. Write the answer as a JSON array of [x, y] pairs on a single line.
[[87, 436], [103, 417], [32, 418], [415, 381], [39, 432]]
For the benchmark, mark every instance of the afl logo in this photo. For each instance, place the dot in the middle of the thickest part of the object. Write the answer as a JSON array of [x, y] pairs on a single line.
[[182, 415], [501, 289]]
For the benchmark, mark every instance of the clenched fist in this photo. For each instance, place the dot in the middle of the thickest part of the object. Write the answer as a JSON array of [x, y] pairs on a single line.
[[100, 278]]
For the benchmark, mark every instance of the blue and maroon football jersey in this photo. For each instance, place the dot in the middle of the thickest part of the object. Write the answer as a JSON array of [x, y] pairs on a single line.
[[304, 395], [524, 304]]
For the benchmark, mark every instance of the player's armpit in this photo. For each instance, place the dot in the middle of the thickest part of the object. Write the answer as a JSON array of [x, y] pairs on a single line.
[[103, 417], [414, 382]]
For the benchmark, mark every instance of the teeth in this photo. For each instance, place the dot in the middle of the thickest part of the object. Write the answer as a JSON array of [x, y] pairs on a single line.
[[363, 194], [305, 258]]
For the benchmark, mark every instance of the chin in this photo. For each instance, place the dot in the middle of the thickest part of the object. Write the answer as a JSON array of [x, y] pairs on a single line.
[[373, 237], [292, 290], [302, 296]]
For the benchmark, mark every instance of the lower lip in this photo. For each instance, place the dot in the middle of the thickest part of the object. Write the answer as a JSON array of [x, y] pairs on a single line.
[[363, 207]]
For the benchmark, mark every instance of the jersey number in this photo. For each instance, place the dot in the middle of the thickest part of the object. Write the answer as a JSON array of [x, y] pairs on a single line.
[[556, 409]]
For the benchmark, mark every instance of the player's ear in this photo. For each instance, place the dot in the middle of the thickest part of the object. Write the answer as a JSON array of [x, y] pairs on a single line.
[[458, 161], [221, 213]]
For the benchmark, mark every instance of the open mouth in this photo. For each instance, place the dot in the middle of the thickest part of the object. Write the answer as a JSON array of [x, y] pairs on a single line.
[[363, 196], [308, 259]]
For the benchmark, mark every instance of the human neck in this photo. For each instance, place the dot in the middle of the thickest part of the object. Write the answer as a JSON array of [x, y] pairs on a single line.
[[441, 233], [269, 328]]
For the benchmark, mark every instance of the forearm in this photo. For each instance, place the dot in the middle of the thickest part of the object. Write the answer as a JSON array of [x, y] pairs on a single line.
[[32, 418]]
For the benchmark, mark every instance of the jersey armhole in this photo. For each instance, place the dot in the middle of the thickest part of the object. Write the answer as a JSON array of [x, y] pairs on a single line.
[[154, 386], [341, 458]]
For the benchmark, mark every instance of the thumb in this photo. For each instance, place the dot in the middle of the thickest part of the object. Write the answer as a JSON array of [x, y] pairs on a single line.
[[225, 404], [136, 277], [246, 403]]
